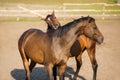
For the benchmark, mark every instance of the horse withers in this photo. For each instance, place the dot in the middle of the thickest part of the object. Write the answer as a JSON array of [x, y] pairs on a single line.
[[81, 44], [52, 49]]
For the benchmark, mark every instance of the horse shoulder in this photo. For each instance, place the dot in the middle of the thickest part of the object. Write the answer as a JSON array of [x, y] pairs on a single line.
[[82, 41], [91, 43]]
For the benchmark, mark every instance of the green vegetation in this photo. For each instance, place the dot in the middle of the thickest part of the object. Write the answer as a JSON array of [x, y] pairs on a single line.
[[114, 1], [57, 1], [20, 20], [41, 21], [95, 7], [58, 5]]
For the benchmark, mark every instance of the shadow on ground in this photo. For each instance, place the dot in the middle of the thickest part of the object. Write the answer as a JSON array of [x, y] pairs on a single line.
[[39, 73]]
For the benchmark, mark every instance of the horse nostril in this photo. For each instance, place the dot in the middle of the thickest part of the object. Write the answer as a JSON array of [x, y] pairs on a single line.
[[101, 40]]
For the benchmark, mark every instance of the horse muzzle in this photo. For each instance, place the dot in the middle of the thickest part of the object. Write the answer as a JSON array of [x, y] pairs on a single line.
[[100, 40]]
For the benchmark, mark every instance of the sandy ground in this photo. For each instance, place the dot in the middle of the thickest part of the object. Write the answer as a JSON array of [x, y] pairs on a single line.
[[108, 54]]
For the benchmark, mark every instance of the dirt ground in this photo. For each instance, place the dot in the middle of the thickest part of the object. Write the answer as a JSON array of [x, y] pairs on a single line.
[[107, 54]]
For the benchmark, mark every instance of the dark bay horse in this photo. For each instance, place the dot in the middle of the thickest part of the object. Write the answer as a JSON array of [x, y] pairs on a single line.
[[81, 44], [52, 48]]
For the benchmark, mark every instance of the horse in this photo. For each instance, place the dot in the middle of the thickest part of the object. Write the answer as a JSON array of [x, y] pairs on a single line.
[[52, 49], [81, 44]]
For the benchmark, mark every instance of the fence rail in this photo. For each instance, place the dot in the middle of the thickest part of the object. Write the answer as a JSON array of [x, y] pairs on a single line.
[[66, 10]]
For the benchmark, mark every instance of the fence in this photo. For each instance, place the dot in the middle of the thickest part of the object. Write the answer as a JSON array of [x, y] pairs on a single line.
[[101, 10], [97, 9]]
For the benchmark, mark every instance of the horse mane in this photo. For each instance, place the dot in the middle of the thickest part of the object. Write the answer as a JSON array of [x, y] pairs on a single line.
[[65, 28]]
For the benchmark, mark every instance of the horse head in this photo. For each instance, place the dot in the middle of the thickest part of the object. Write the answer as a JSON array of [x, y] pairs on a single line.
[[52, 21], [91, 30]]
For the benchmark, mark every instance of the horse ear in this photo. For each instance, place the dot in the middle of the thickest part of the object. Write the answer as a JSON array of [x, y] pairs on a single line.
[[90, 19], [53, 13]]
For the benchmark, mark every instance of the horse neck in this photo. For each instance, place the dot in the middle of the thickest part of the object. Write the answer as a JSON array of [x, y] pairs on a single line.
[[75, 29], [70, 33], [74, 32], [49, 28]]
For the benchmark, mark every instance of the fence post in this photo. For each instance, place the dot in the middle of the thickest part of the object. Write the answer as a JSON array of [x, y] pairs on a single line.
[[64, 8]]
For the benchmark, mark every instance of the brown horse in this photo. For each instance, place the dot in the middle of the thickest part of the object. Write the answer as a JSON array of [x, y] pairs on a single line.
[[83, 43], [52, 49]]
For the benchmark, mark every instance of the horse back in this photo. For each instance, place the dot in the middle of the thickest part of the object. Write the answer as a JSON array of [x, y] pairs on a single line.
[[26, 35]]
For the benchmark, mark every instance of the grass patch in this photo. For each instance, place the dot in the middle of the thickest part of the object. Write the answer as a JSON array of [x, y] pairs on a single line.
[[57, 1], [20, 20], [62, 20]]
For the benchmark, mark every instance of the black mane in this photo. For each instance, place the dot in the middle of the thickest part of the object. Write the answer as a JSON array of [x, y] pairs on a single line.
[[65, 28]]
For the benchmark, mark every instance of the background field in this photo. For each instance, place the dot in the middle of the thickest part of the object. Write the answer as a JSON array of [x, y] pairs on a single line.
[[57, 1], [102, 9], [107, 54], [12, 25]]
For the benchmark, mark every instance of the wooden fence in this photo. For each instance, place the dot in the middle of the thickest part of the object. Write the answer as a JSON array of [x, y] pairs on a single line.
[[65, 10]]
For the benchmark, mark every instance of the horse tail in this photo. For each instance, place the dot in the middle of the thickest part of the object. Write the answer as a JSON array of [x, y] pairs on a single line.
[[21, 46], [22, 41]]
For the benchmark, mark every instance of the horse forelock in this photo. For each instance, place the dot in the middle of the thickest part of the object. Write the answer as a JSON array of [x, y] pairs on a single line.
[[47, 16], [90, 19]]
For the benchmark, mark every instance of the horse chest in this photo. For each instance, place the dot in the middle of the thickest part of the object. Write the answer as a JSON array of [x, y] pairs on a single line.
[[60, 53], [60, 58]]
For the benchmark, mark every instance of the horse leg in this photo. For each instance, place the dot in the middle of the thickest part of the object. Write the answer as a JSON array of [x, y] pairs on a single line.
[[61, 70], [32, 65], [55, 72], [25, 63], [26, 66], [79, 63], [91, 53], [49, 69]]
